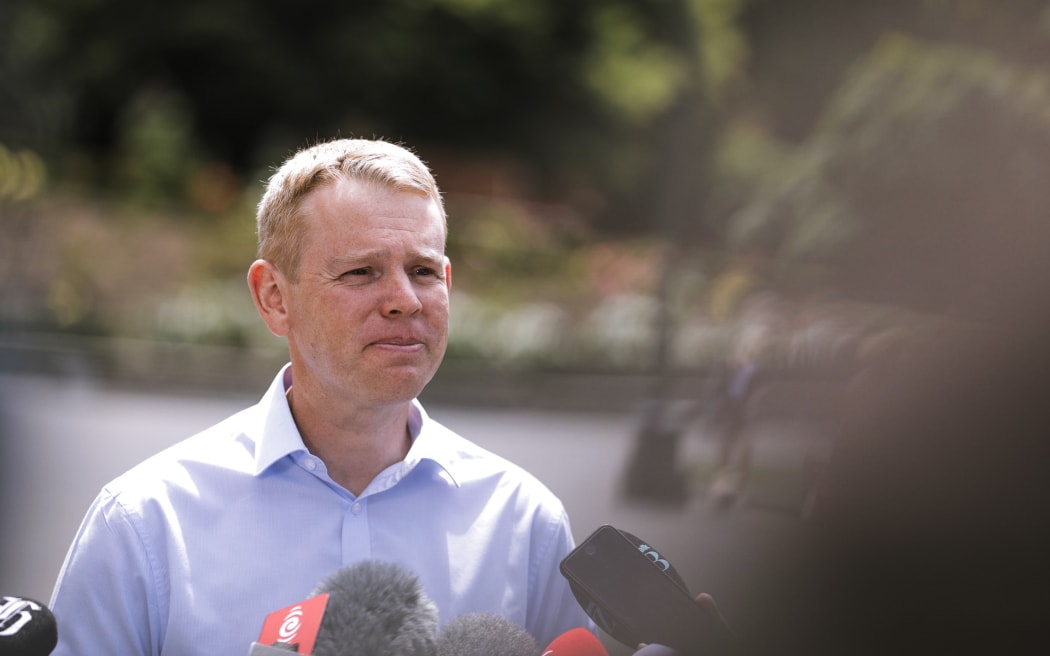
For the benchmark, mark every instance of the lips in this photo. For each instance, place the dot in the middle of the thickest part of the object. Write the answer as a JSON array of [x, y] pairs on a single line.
[[397, 341]]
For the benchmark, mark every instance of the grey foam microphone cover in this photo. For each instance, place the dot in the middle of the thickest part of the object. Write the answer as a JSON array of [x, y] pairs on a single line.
[[483, 634], [376, 609]]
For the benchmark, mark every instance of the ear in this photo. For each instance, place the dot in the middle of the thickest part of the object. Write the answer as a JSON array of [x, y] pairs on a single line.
[[448, 273], [268, 292]]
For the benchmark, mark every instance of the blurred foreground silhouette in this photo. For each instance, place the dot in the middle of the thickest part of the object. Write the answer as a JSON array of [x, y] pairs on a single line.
[[931, 530]]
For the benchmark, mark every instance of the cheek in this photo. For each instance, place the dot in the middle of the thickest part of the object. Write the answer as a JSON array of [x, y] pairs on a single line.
[[328, 316], [437, 303]]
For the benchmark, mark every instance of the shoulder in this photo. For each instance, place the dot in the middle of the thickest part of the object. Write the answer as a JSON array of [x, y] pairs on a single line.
[[474, 467], [221, 451]]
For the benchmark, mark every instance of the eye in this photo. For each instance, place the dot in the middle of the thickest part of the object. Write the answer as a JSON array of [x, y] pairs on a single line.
[[356, 276], [424, 271]]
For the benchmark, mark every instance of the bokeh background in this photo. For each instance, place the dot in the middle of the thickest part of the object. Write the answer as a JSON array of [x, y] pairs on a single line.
[[850, 196]]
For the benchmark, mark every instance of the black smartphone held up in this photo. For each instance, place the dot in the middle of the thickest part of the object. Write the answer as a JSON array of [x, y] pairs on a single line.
[[634, 595]]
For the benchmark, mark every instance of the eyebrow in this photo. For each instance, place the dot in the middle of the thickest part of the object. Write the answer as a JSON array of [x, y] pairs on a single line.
[[354, 258]]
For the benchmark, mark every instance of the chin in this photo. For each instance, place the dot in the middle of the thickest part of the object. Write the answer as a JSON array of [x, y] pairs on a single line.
[[401, 389]]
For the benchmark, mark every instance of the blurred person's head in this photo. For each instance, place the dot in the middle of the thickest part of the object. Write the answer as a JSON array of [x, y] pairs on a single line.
[[279, 219]]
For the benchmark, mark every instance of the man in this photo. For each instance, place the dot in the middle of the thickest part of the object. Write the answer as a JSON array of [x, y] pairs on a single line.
[[189, 551]]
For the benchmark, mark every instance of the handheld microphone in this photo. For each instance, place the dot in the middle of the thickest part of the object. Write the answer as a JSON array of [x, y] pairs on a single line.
[[576, 642], [376, 608], [27, 628], [634, 594], [292, 629], [368, 609], [484, 634]]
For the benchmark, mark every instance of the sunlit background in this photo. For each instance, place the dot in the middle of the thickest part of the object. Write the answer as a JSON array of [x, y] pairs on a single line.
[[645, 197]]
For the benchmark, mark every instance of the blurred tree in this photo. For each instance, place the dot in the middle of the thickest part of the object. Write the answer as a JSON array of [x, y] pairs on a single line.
[[593, 96], [906, 168], [704, 38], [919, 181], [578, 91]]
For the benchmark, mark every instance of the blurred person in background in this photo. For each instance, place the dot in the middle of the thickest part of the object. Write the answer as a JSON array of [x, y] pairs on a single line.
[[737, 379], [733, 387], [189, 551]]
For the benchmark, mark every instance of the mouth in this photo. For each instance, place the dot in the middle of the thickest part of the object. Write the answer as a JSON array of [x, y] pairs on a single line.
[[398, 343]]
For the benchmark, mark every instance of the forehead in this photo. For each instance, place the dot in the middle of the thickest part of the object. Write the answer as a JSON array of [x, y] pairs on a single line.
[[360, 208]]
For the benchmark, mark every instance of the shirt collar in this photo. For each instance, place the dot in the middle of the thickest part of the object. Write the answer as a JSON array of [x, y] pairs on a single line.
[[278, 436], [432, 442]]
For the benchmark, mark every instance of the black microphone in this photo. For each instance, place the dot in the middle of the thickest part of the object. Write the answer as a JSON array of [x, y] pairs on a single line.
[[376, 609], [485, 634], [27, 628], [635, 595]]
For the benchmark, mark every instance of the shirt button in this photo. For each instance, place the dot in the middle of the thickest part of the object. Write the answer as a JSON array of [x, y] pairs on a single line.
[[310, 464], [356, 508]]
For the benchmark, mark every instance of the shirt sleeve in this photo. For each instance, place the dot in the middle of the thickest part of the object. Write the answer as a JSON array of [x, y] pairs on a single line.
[[553, 609], [106, 597]]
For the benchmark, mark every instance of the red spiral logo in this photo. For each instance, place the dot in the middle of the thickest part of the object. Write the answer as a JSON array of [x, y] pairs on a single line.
[[291, 624]]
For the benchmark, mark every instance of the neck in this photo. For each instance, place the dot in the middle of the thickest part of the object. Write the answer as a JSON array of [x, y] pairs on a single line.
[[356, 444]]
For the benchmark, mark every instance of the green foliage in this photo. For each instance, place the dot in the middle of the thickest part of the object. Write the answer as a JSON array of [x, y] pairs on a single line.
[[146, 93], [508, 252], [723, 45], [156, 152], [23, 175], [633, 72], [928, 152]]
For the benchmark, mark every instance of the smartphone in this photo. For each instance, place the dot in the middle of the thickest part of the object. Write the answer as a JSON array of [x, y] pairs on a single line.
[[631, 593]]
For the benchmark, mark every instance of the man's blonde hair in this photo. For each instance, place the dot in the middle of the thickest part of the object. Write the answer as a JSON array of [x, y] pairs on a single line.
[[278, 219]]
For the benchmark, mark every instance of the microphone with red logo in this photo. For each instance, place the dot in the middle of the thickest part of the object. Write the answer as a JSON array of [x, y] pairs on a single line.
[[577, 642], [368, 608], [27, 628], [378, 609], [291, 630], [259, 649]]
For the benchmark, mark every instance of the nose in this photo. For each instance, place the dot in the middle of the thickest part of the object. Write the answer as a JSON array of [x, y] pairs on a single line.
[[400, 297]]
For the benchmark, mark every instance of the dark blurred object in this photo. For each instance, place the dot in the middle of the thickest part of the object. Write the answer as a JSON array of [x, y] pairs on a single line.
[[653, 473], [930, 534], [934, 502]]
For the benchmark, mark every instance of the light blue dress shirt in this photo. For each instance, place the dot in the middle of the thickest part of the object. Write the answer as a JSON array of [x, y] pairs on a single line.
[[188, 552]]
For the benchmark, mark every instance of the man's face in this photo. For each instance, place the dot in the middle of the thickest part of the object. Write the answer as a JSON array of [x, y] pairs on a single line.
[[368, 315]]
